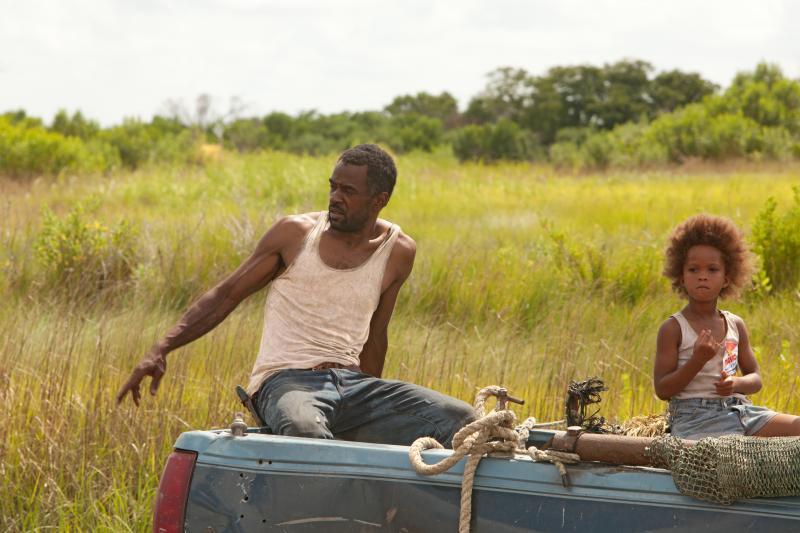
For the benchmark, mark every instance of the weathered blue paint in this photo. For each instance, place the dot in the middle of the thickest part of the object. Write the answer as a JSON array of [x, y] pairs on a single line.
[[272, 483]]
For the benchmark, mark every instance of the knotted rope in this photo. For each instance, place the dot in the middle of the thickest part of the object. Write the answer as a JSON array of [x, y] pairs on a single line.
[[474, 440], [557, 459]]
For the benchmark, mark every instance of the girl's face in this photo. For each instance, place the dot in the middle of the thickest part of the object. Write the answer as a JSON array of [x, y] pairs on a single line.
[[704, 273]]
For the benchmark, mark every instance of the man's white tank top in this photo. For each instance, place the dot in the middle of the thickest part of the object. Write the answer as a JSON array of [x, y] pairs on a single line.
[[727, 357], [317, 314]]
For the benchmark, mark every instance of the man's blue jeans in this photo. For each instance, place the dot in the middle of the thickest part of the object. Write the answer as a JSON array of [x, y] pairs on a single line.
[[351, 405]]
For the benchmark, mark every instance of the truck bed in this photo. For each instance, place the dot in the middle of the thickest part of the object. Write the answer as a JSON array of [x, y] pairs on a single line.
[[273, 483]]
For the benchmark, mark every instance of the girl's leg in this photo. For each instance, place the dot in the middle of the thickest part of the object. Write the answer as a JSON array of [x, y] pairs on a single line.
[[780, 425]]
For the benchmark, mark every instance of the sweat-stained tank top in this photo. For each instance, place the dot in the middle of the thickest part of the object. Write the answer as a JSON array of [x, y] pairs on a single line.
[[317, 314], [727, 357]]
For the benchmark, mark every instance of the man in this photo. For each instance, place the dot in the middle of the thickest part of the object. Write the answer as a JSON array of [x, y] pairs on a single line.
[[335, 279]]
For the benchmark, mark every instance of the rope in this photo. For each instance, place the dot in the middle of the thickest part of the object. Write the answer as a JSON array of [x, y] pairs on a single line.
[[645, 426], [555, 457], [491, 434], [558, 459], [579, 396]]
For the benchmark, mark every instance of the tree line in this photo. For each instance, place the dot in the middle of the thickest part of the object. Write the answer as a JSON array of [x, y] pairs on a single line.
[[585, 116]]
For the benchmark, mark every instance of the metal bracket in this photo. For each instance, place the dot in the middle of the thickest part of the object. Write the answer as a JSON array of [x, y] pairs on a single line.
[[248, 403], [238, 427], [503, 398], [567, 441]]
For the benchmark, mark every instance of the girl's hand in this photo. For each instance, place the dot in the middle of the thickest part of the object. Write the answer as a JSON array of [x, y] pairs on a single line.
[[725, 385], [705, 347]]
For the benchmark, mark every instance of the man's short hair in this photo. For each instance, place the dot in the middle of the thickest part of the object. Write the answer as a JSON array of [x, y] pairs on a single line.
[[381, 171]]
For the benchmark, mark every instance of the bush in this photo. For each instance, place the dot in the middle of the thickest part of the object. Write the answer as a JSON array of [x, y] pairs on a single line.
[[777, 144], [504, 140], [470, 142], [765, 96], [757, 117], [696, 131], [509, 142], [246, 135], [411, 131], [632, 147], [31, 150], [74, 126], [311, 144], [139, 143], [680, 133], [21, 118], [566, 155], [598, 150], [576, 136], [777, 242], [80, 252], [132, 140], [731, 136]]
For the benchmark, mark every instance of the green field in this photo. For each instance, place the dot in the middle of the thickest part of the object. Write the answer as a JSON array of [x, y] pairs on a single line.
[[524, 278]]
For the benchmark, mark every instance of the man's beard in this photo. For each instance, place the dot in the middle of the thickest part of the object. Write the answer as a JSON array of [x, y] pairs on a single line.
[[348, 223]]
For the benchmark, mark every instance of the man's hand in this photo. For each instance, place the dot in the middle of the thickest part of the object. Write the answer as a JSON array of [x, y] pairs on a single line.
[[725, 385], [705, 347], [206, 313], [154, 364]]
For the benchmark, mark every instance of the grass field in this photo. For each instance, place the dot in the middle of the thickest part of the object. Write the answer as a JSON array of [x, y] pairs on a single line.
[[524, 278]]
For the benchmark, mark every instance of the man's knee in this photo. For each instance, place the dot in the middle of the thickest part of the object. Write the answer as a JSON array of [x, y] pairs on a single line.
[[462, 411], [456, 415], [294, 415], [314, 427]]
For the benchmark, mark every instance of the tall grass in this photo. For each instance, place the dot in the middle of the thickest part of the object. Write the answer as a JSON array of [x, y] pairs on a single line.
[[524, 278]]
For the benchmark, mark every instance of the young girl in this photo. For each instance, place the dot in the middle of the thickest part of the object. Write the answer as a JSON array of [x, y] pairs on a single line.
[[701, 348]]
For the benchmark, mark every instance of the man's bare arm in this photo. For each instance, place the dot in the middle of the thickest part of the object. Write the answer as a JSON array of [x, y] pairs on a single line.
[[216, 304], [373, 355]]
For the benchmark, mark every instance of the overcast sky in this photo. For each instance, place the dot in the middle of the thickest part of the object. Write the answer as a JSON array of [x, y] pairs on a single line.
[[112, 59]]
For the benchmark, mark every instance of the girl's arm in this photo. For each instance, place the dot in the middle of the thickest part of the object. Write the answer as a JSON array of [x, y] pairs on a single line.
[[668, 379], [750, 380]]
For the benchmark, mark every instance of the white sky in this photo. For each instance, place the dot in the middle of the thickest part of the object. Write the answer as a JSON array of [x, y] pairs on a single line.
[[114, 58]]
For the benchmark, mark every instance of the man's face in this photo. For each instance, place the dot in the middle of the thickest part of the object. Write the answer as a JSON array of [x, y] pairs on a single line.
[[350, 203]]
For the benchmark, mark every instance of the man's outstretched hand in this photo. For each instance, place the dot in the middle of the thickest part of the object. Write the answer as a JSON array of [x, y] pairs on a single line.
[[154, 364]]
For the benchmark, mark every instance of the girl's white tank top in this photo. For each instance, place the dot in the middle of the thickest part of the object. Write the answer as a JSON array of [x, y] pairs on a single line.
[[727, 356]]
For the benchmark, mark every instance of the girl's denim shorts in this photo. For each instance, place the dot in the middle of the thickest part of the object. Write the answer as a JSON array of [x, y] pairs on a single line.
[[695, 418]]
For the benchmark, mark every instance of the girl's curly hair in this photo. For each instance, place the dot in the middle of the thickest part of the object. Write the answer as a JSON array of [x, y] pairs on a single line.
[[722, 234]]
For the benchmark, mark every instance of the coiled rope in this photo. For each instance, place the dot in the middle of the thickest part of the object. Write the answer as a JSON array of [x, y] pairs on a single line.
[[491, 434]]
